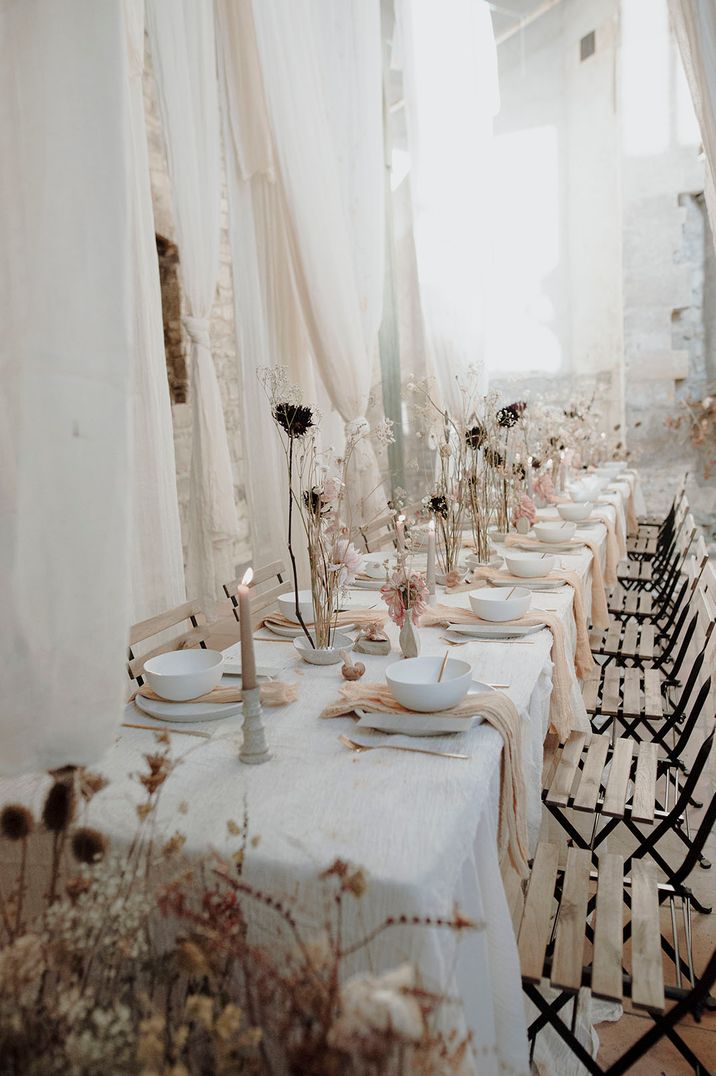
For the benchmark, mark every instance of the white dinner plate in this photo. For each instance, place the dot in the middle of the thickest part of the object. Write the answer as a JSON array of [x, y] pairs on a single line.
[[529, 584], [367, 584], [554, 547], [493, 631], [164, 710], [414, 724]]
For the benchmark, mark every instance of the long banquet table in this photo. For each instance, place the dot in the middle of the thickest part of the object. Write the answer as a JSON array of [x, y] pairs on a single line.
[[422, 828]]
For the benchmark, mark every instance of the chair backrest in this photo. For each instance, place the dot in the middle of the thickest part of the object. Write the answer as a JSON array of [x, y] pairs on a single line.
[[380, 534], [193, 627], [267, 584]]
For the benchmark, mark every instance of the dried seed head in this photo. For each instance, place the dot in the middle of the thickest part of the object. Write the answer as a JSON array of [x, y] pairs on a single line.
[[88, 845], [59, 806], [16, 822]]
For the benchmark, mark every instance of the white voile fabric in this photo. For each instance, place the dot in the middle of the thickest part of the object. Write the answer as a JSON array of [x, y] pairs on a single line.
[[65, 363], [694, 23], [183, 49], [321, 71], [447, 53], [157, 558]]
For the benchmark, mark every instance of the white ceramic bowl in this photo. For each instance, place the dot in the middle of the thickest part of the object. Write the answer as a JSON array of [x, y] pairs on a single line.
[[287, 606], [331, 656], [181, 675], [413, 682], [374, 564], [576, 511], [493, 603], [555, 532], [588, 489], [529, 565]]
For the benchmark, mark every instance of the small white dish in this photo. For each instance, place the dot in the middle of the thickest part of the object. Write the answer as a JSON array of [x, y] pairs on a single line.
[[576, 512], [587, 489], [458, 633], [287, 606], [424, 724], [377, 565], [529, 565], [555, 532], [414, 683], [496, 604], [330, 656], [181, 675]]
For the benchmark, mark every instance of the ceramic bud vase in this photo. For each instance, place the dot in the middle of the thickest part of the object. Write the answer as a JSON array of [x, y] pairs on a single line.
[[409, 639]]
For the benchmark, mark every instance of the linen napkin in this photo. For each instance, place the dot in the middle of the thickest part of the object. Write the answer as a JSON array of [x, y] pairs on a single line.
[[561, 715], [343, 619], [600, 608], [500, 712], [583, 658], [614, 554], [273, 693]]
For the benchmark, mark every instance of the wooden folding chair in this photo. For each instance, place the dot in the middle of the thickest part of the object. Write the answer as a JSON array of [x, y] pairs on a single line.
[[193, 627], [267, 584], [554, 948]]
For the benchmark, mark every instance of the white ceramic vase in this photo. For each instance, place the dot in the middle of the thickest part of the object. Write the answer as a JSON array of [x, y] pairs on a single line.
[[409, 639]]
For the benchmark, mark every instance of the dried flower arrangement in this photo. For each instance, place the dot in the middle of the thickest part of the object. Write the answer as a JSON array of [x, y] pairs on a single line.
[[147, 962], [698, 420], [317, 493]]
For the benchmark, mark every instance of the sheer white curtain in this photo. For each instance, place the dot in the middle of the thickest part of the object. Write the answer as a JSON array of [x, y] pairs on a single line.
[[65, 362], [183, 50], [321, 70], [157, 564], [447, 54], [694, 23]]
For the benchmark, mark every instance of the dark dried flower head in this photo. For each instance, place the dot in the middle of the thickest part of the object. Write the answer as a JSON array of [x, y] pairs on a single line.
[[506, 417], [16, 822], [475, 436], [536, 463], [314, 502], [518, 470], [59, 807], [294, 419], [493, 458], [88, 845], [437, 504]]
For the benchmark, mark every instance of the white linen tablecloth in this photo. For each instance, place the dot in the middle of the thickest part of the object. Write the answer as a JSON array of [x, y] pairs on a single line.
[[422, 828]]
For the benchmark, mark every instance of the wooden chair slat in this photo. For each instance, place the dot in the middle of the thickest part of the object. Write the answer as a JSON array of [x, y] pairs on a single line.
[[611, 703], [590, 781], [536, 918], [615, 794], [561, 785], [180, 642], [647, 991], [647, 642], [569, 944], [644, 801], [630, 638], [550, 758], [607, 981], [653, 699], [590, 692], [263, 601], [154, 625], [632, 703]]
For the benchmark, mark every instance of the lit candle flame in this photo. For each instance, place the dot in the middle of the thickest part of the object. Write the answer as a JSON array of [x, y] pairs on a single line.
[[248, 576]]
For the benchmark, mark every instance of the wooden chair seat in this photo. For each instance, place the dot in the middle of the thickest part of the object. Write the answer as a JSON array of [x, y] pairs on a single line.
[[553, 945], [195, 635], [630, 641], [643, 545], [635, 571], [636, 603], [618, 782], [631, 692]]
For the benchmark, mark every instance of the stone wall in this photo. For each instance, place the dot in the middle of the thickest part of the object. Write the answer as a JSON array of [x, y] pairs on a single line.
[[223, 336]]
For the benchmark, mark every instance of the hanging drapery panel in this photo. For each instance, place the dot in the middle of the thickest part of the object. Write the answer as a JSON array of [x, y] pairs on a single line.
[[65, 361], [694, 23], [182, 40], [321, 71], [157, 564], [447, 53]]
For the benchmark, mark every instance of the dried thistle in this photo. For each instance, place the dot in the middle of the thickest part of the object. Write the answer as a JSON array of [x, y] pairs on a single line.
[[59, 808], [16, 822], [88, 845]]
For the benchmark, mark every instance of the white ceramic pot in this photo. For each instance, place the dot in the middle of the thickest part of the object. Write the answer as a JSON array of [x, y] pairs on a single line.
[[413, 682], [181, 675], [529, 565], [555, 532], [323, 656], [500, 603], [575, 512]]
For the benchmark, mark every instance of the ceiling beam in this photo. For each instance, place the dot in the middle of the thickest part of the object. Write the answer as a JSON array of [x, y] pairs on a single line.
[[525, 20]]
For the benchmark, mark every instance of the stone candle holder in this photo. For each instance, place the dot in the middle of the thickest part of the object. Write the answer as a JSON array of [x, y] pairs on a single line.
[[254, 750]]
